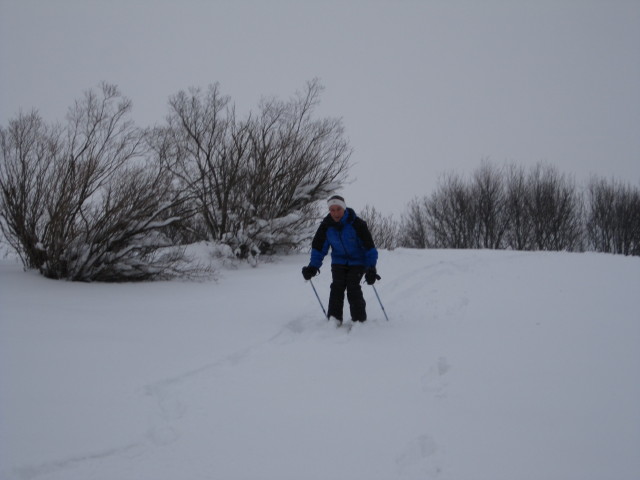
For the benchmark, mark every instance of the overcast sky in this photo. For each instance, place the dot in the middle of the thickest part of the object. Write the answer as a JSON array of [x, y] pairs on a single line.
[[423, 87]]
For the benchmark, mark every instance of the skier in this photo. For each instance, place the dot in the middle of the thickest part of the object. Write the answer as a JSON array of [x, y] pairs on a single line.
[[353, 254]]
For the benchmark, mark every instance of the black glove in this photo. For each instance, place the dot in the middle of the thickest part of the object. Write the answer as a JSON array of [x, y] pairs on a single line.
[[371, 275], [308, 272]]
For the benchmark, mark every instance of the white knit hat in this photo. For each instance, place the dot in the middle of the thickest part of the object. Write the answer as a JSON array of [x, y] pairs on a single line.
[[337, 200]]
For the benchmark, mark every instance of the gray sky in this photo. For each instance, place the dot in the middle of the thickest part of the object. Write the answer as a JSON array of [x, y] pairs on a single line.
[[423, 87]]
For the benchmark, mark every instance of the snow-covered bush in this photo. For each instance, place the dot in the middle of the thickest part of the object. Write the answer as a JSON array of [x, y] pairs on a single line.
[[100, 199], [83, 202], [254, 182]]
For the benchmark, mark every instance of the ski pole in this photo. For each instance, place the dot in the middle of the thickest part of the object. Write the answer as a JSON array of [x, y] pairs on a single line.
[[381, 306], [318, 297]]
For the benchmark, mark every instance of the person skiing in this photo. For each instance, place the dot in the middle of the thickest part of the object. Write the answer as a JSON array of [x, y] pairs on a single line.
[[353, 255]]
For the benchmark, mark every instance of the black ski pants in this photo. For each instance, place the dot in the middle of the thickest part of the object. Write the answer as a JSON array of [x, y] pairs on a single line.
[[347, 277]]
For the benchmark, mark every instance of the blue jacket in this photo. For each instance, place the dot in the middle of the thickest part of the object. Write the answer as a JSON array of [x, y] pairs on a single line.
[[350, 241]]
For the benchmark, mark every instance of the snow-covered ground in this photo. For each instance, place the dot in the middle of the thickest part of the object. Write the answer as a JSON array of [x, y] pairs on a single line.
[[494, 365]]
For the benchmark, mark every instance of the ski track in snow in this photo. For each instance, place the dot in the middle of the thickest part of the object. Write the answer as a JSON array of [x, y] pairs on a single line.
[[171, 407], [54, 467], [420, 456], [166, 392]]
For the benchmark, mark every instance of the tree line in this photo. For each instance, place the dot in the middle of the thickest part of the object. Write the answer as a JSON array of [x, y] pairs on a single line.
[[513, 208], [98, 198]]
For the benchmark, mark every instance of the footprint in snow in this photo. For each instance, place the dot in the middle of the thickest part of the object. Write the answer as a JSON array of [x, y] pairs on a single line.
[[420, 457], [434, 380]]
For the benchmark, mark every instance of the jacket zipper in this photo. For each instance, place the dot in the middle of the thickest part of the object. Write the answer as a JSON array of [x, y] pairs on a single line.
[[348, 254]]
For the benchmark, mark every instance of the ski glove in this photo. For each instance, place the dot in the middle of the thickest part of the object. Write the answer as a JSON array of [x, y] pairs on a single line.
[[371, 275], [308, 272]]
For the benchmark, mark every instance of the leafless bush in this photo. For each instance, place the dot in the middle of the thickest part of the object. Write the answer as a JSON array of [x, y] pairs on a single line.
[[255, 182], [384, 229], [468, 214], [82, 202], [451, 214], [554, 206], [445, 219], [414, 232], [518, 234], [206, 156], [498, 208], [613, 217], [29, 149], [488, 196]]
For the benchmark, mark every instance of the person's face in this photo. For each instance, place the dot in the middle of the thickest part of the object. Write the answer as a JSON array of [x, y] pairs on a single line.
[[336, 212]]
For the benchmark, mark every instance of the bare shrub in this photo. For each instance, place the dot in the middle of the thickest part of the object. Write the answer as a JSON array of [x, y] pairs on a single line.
[[384, 229], [613, 217], [95, 206], [414, 231], [554, 206], [255, 182], [451, 214], [29, 149], [488, 195], [518, 235], [498, 208]]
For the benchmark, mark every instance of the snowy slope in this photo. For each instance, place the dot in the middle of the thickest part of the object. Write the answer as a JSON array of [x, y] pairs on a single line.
[[494, 365]]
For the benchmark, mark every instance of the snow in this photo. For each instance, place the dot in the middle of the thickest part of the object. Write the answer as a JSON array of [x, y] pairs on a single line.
[[494, 365]]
